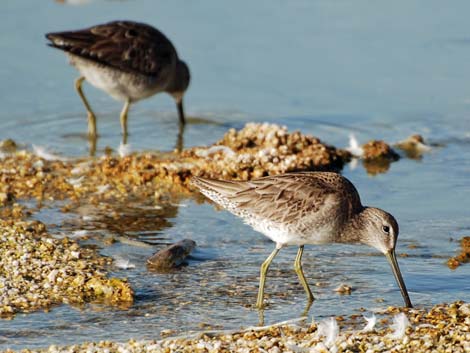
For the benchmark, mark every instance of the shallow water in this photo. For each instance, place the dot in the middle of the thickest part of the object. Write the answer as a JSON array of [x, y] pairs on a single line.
[[326, 68]]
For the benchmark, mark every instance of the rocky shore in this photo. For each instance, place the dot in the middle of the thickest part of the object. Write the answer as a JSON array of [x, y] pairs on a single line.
[[443, 328]]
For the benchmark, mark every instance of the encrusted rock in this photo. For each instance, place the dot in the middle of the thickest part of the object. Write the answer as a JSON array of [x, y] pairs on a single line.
[[464, 255], [413, 146], [37, 271], [264, 149], [377, 156], [377, 149]]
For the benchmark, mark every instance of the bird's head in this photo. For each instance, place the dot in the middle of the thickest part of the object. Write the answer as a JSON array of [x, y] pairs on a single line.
[[379, 229]]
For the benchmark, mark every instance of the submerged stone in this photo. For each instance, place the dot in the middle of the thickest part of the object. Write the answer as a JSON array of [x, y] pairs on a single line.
[[172, 256]]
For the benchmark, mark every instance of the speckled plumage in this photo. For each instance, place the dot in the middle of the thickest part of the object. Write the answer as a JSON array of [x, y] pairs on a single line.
[[128, 60], [306, 208], [302, 204]]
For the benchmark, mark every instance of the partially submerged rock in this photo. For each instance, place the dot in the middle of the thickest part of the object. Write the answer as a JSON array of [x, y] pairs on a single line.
[[343, 289], [172, 256], [413, 146], [265, 149], [378, 149], [464, 255], [378, 156]]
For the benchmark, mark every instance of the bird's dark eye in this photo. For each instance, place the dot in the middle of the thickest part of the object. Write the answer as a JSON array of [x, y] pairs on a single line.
[[386, 229]]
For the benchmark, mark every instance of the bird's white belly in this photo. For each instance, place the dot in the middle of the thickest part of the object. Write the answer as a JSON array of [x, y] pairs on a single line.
[[119, 85], [281, 234]]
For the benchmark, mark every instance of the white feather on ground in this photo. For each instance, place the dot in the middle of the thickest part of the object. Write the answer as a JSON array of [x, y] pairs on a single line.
[[330, 330], [124, 150], [371, 321], [43, 153], [81, 168], [102, 188], [206, 153], [399, 325], [292, 346], [75, 182], [78, 233]]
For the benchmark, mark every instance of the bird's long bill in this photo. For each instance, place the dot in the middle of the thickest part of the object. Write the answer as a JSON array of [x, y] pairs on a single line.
[[392, 259], [179, 105]]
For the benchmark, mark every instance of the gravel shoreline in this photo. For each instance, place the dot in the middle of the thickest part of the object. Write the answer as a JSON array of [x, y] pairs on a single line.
[[38, 271], [443, 328]]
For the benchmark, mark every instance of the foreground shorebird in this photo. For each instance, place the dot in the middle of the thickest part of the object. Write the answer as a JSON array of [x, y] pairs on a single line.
[[128, 60], [306, 208]]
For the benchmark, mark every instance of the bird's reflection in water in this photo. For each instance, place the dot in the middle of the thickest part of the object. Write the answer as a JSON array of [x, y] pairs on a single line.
[[179, 143]]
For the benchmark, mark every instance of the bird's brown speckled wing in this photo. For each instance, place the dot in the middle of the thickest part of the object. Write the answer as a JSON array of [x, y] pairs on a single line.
[[124, 45], [284, 198]]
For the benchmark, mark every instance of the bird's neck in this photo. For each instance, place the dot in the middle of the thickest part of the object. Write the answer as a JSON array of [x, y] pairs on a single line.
[[352, 230], [179, 82]]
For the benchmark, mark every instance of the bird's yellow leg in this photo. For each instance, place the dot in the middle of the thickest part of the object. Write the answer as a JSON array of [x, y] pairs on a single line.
[[91, 115], [300, 273], [123, 118], [262, 278]]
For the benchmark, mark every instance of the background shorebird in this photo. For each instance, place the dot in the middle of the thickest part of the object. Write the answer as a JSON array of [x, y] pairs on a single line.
[[128, 60], [306, 208]]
